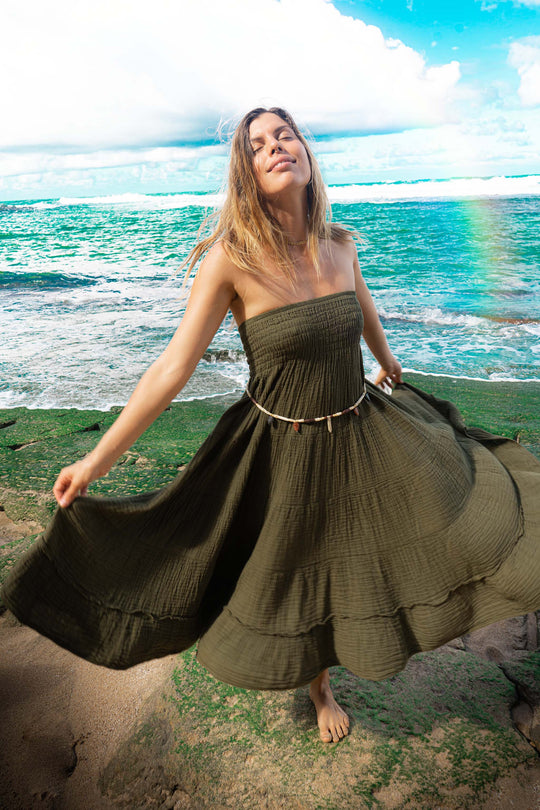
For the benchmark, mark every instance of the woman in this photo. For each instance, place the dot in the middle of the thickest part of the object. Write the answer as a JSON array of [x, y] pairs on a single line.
[[322, 521]]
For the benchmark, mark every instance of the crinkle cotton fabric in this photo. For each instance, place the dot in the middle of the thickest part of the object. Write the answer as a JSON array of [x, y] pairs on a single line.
[[283, 552]]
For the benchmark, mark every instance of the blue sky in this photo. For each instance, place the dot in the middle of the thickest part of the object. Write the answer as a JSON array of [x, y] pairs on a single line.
[[476, 33], [114, 97]]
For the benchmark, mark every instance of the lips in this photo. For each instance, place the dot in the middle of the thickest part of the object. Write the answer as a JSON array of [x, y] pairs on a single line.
[[280, 161]]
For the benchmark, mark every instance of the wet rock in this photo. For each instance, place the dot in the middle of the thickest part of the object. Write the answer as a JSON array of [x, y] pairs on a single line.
[[505, 640], [514, 644]]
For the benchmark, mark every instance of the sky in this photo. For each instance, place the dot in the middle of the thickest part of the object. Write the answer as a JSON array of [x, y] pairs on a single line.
[[137, 97]]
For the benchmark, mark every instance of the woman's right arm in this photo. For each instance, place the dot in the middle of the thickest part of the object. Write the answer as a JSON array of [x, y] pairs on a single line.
[[210, 297]]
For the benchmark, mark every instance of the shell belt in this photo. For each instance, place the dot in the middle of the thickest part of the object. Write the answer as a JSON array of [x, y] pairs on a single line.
[[298, 421]]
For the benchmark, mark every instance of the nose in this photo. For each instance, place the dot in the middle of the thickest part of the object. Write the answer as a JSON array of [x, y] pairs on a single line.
[[275, 147]]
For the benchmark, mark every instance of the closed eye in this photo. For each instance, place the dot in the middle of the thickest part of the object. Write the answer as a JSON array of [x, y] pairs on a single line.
[[284, 135]]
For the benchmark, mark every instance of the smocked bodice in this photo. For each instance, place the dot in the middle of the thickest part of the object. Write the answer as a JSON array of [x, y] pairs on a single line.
[[305, 358]]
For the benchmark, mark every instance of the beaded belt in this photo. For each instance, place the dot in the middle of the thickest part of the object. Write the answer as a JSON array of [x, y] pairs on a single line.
[[298, 421]]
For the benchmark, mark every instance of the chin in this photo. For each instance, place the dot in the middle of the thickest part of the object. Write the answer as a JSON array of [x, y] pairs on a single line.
[[287, 183]]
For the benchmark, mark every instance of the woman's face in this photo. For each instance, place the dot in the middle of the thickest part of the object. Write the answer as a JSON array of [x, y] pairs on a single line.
[[280, 160]]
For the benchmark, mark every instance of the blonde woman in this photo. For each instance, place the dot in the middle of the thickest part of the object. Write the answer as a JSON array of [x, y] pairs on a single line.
[[323, 521]]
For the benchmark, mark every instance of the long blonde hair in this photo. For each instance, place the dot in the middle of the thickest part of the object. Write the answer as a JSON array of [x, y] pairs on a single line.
[[251, 236]]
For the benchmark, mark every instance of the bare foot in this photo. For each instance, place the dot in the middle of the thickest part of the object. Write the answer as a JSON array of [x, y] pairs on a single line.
[[332, 720]]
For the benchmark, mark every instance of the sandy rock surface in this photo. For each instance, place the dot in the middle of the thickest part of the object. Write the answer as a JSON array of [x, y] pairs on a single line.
[[62, 719]]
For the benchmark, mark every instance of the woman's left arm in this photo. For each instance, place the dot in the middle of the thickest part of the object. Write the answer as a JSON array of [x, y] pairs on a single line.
[[373, 332]]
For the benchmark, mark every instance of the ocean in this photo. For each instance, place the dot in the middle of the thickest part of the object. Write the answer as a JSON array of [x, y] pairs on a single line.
[[89, 295]]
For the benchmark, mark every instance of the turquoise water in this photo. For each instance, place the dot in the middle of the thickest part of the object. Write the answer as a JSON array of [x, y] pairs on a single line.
[[89, 299]]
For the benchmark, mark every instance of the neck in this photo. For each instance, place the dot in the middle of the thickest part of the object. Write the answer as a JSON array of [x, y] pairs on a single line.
[[292, 215]]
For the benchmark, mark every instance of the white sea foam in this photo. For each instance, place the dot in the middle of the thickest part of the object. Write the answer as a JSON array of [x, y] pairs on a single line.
[[438, 189], [73, 396], [433, 315], [144, 200], [494, 377], [532, 328]]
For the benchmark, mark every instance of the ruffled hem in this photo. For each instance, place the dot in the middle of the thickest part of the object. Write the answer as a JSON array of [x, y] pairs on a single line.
[[373, 647]]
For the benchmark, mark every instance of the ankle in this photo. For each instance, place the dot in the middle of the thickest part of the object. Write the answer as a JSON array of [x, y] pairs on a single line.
[[321, 685]]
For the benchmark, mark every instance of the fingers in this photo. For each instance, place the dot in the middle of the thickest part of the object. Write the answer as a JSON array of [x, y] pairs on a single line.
[[381, 376], [69, 484], [69, 496], [66, 496], [384, 382], [61, 485], [387, 379]]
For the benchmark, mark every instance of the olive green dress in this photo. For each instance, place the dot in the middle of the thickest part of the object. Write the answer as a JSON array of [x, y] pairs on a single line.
[[285, 551]]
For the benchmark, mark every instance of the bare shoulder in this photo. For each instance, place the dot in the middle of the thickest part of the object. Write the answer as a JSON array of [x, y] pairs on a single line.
[[338, 256], [216, 273], [349, 248], [217, 262], [348, 244], [342, 245]]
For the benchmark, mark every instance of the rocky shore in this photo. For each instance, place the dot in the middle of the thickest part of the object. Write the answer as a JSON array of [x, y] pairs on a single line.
[[458, 728]]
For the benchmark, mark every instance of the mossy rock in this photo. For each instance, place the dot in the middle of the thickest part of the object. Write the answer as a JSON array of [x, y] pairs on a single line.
[[438, 734]]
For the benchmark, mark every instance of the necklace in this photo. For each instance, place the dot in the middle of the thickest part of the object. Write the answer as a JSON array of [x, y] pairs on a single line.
[[296, 244]]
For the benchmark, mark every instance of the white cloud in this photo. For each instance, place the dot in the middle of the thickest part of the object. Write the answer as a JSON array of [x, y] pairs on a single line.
[[13, 164], [116, 73], [490, 5], [524, 56], [161, 169], [495, 143]]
